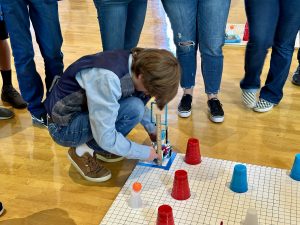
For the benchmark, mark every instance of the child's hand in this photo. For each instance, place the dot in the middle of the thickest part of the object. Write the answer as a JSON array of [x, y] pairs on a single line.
[[153, 137], [153, 155]]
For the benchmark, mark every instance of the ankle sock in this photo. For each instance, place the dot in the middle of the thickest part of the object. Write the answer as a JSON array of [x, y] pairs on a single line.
[[6, 77], [81, 149]]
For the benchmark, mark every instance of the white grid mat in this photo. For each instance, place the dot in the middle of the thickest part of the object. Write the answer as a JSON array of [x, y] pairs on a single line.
[[274, 195]]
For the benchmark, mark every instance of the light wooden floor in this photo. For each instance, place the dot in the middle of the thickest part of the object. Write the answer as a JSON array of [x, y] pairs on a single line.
[[39, 187]]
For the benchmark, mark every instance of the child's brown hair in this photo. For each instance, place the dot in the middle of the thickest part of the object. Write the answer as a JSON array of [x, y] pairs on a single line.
[[161, 73]]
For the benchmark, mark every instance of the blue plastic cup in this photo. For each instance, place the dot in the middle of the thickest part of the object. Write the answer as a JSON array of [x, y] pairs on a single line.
[[239, 182], [295, 172]]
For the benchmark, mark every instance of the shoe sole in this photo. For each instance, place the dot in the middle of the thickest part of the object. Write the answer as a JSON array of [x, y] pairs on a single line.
[[262, 110], [109, 160], [249, 106], [216, 119], [13, 105], [184, 114], [295, 83], [2, 210], [98, 180], [38, 124], [6, 118]]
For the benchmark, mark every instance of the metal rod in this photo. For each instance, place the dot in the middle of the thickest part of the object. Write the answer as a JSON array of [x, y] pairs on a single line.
[[158, 138]]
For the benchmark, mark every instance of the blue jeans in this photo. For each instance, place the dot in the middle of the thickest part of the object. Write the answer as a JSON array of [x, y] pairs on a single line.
[[44, 17], [203, 23], [272, 23], [120, 22], [79, 131]]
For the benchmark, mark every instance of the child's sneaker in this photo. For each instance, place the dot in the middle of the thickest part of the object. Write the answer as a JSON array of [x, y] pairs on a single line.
[[185, 106], [40, 121], [1, 209], [89, 167], [263, 106], [216, 113], [249, 98], [108, 157]]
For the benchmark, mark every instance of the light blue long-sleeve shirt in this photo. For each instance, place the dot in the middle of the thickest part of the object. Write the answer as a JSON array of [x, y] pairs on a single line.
[[103, 90]]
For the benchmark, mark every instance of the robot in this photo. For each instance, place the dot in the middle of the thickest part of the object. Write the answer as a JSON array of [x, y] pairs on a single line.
[[162, 144]]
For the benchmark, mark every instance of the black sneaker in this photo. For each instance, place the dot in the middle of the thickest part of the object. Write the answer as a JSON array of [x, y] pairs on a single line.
[[1, 208], [9, 94], [296, 76], [216, 113], [185, 106], [5, 114], [40, 121]]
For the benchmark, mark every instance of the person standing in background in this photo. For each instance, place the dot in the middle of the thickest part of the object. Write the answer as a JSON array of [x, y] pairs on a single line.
[[9, 93], [43, 15], [120, 22], [296, 76], [199, 23], [272, 23]]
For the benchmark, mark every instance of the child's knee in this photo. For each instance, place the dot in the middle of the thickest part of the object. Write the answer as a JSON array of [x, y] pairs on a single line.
[[138, 109]]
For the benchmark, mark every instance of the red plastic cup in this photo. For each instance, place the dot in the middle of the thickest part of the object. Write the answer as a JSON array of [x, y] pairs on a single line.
[[192, 155], [165, 215], [246, 32], [181, 189]]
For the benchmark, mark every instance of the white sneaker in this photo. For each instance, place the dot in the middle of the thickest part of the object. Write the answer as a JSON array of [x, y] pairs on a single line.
[[249, 98], [263, 106]]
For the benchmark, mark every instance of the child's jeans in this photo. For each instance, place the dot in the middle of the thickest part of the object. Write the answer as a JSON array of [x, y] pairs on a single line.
[[79, 130]]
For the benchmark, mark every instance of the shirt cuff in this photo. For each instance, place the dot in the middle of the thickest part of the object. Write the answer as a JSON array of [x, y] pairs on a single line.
[[140, 151]]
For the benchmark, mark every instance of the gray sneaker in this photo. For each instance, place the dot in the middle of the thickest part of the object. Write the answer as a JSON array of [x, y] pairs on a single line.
[[40, 121], [5, 113], [249, 98], [108, 157], [263, 106], [89, 167]]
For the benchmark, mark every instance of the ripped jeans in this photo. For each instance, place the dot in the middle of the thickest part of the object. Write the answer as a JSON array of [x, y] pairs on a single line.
[[199, 22]]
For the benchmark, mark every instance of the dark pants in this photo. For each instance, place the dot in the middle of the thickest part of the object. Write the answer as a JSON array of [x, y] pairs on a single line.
[[43, 15], [272, 23], [3, 31]]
